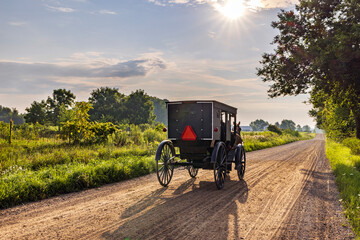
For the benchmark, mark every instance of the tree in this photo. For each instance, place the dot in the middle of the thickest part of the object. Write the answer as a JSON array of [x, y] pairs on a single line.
[[287, 124], [298, 128], [7, 114], [36, 113], [259, 125], [79, 128], [107, 105], [60, 97], [318, 48], [139, 108], [306, 128], [160, 109]]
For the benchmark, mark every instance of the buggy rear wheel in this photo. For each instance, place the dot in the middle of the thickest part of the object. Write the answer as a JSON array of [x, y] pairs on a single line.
[[164, 166], [193, 171], [220, 157], [241, 162]]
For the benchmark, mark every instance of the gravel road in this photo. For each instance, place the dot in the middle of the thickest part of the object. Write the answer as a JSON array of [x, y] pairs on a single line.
[[288, 193]]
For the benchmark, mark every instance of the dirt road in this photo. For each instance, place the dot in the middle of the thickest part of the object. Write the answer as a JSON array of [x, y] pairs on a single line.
[[288, 193]]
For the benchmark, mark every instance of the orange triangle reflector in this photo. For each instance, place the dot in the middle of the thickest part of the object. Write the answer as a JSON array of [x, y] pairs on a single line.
[[188, 134]]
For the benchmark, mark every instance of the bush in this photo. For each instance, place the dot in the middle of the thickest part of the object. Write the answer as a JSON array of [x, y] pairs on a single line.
[[274, 128], [121, 138], [102, 131], [292, 132], [353, 144], [151, 135]]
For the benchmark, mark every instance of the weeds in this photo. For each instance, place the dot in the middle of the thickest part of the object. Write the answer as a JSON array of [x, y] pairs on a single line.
[[346, 169]]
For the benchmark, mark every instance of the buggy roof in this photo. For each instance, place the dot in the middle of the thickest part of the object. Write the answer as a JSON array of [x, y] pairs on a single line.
[[217, 104]]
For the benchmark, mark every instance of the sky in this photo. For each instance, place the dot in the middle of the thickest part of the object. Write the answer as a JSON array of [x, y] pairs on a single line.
[[173, 49]]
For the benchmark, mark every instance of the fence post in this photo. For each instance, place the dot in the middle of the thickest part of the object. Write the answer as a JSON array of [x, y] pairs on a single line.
[[10, 130]]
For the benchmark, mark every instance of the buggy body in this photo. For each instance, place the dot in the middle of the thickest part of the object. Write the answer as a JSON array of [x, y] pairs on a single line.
[[204, 134]]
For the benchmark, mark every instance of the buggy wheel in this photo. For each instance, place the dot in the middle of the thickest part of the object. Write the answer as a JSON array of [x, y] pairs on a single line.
[[220, 157], [193, 171], [241, 160], [164, 166]]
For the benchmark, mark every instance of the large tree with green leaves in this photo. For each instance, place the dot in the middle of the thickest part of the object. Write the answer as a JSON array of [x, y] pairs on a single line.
[[36, 113], [317, 49], [139, 108], [60, 97], [259, 125], [287, 124], [108, 105], [7, 114]]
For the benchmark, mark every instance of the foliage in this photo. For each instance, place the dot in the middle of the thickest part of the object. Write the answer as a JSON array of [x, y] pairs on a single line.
[[139, 108], [287, 124], [318, 47], [35, 169], [256, 141], [107, 105], [60, 97], [306, 128], [353, 144], [102, 131], [259, 125], [346, 168], [335, 118], [36, 113], [7, 114], [51, 110], [79, 128], [274, 128], [160, 109]]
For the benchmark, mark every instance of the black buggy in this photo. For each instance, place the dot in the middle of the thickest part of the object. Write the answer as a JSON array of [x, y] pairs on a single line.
[[205, 134]]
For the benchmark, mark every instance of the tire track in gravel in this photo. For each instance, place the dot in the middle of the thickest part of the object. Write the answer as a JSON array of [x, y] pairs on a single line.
[[282, 197]]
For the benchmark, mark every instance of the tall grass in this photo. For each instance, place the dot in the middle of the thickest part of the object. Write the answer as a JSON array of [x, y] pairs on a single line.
[[344, 165], [42, 167], [260, 140]]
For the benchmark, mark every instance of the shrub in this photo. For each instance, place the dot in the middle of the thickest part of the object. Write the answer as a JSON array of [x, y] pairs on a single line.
[[151, 135], [353, 144], [292, 132], [274, 128], [121, 138], [102, 131]]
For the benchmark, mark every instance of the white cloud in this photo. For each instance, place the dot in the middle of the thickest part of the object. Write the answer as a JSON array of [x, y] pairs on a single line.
[[253, 5], [60, 9], [17, 24], [107, 12]]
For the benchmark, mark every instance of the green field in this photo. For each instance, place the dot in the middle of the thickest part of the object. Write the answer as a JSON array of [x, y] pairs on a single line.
[[35, 169], [346, 167]]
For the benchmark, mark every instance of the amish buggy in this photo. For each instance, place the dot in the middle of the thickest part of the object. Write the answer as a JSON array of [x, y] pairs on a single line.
[[201, 134]]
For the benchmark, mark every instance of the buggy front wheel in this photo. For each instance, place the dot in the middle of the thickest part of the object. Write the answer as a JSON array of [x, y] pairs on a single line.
[[165, 155], [193, 171]]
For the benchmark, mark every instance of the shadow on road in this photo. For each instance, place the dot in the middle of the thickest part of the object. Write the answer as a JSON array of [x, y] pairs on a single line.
[[186, 211]]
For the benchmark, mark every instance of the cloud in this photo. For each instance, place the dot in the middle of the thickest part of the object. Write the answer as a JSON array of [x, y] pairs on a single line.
[[60, 9], [23, 77], [17, 24], [253, 5], [107, 12]]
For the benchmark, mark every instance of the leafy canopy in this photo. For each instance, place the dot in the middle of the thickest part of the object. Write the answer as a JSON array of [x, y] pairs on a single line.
[[318, 48]]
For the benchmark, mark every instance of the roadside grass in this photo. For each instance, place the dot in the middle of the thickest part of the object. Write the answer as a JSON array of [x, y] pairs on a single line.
[[31, 170], [346, 169], [260, 140]]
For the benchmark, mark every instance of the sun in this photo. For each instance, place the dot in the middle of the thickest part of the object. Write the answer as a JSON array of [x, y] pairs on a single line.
[[232, 9]]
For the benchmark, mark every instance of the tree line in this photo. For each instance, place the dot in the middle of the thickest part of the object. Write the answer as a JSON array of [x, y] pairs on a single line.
[[261, 125], [105, 105]]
